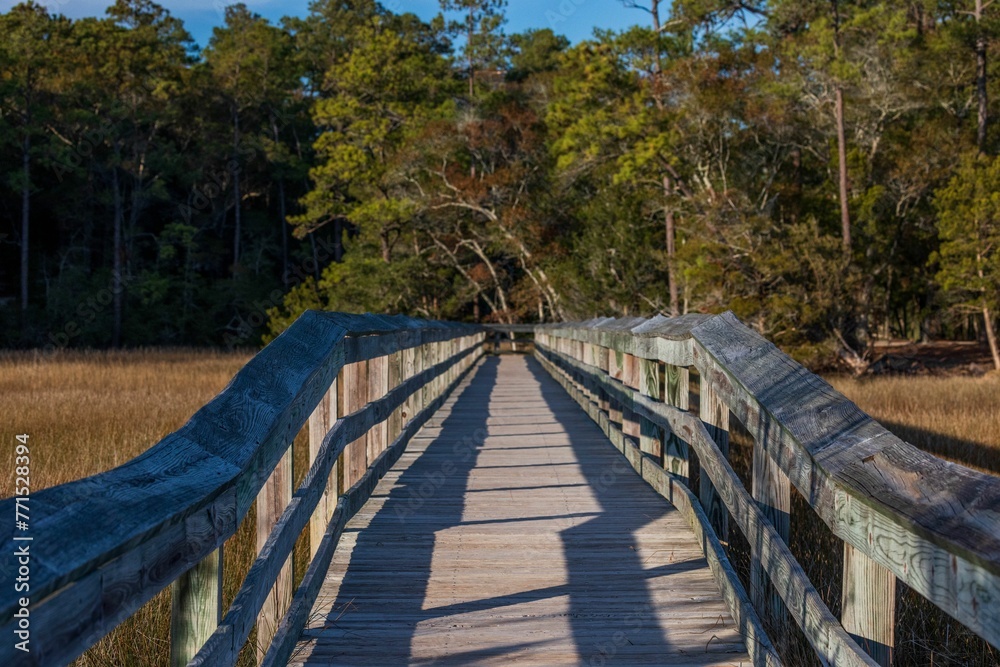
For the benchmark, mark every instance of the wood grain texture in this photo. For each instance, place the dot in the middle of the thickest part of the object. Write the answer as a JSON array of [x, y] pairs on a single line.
[[106, 544], [272, 501], [510, 531], [195, 608], [833, 645], [651, 436], [676, 392], [353, 394], [378, 386], [675, 491], [715, 415], [931, 523], [320, 422], [869, 605], [773, 495], [224, 645], [305, 596]]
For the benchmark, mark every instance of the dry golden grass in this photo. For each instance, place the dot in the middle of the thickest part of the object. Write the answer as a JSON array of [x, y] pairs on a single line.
[[87, 412], [956, 418]]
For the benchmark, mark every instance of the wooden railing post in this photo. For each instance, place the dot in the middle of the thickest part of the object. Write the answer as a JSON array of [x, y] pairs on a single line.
[[395, 424], [195, 608], [715, 415], [320, 423], [378, 386], [869, 605], [651, 440], [630, 378], [616, 362], [676, 392], [353, 396], [772, 492], [271, 503], [603, 357]]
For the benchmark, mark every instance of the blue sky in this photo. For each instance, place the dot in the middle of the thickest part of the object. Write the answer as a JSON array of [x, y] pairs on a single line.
[[574, 18]]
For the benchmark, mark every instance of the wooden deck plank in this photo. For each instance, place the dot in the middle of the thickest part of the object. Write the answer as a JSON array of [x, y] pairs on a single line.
[[512, 531]]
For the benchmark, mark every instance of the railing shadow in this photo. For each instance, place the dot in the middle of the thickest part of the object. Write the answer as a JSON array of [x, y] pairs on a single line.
[[614, 593], [392, 553], [590, 504]]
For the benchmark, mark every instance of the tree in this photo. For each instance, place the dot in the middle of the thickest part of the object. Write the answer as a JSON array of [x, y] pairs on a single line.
[[482, 27], [250, 61], [30, 37], [969, 229]]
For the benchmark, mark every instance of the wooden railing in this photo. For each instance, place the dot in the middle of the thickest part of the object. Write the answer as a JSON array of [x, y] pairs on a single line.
[[901, 513], [102, 546]]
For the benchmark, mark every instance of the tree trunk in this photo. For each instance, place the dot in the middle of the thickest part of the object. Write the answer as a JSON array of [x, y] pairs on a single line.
[[282, 213], [25, 216], [991, 336], [284, 232], [845, 215], [981, 79], [468, 47], [236, 189], [117, 286], [668, 191]]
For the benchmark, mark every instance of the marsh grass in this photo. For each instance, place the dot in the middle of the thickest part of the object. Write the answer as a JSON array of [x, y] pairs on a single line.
[[87, 412], [957, 418], [90, 411]]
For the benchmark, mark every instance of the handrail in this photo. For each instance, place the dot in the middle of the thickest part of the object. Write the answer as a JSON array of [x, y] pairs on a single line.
[[902, 513], [104, 545]]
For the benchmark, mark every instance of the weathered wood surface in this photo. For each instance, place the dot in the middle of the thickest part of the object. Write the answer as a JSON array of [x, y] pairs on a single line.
[[831, 642], [224, 645], [933, 524], [196, 608], [106, 544], [674, 489], [511, 531]]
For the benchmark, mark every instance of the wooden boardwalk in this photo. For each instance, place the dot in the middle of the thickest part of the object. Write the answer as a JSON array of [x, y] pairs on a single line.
[[511, 531]]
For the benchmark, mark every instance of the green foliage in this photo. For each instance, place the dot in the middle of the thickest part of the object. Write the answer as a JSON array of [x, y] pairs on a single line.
[[350, 159], [969, 230]]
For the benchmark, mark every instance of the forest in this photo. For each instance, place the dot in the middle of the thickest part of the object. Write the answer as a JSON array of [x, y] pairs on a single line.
[[824, 168]]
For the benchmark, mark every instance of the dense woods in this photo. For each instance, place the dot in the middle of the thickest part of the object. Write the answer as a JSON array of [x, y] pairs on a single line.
[[827, 169]]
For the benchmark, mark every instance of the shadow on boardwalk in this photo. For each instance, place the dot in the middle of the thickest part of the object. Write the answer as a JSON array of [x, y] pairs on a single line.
[[511, 531]]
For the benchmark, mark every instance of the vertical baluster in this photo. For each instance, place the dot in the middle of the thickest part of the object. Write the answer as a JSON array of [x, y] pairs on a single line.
[[676, 380], [408, 370], [195, 608], [320, 423], [772, 492], [630, 378], [650, 440], [602, 357], [353, 396], [395, 371], [378, 385], [616, 361], [869, 604], [271, 502], [715, 414]]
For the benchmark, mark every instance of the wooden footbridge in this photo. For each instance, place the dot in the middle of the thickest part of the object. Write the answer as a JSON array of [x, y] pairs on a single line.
[[571, 507]]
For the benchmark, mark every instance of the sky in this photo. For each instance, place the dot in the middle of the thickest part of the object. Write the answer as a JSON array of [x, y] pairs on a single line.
[[576, 19]]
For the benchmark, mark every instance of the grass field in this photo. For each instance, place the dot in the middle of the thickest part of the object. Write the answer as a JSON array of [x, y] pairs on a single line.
[[88, 412]]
